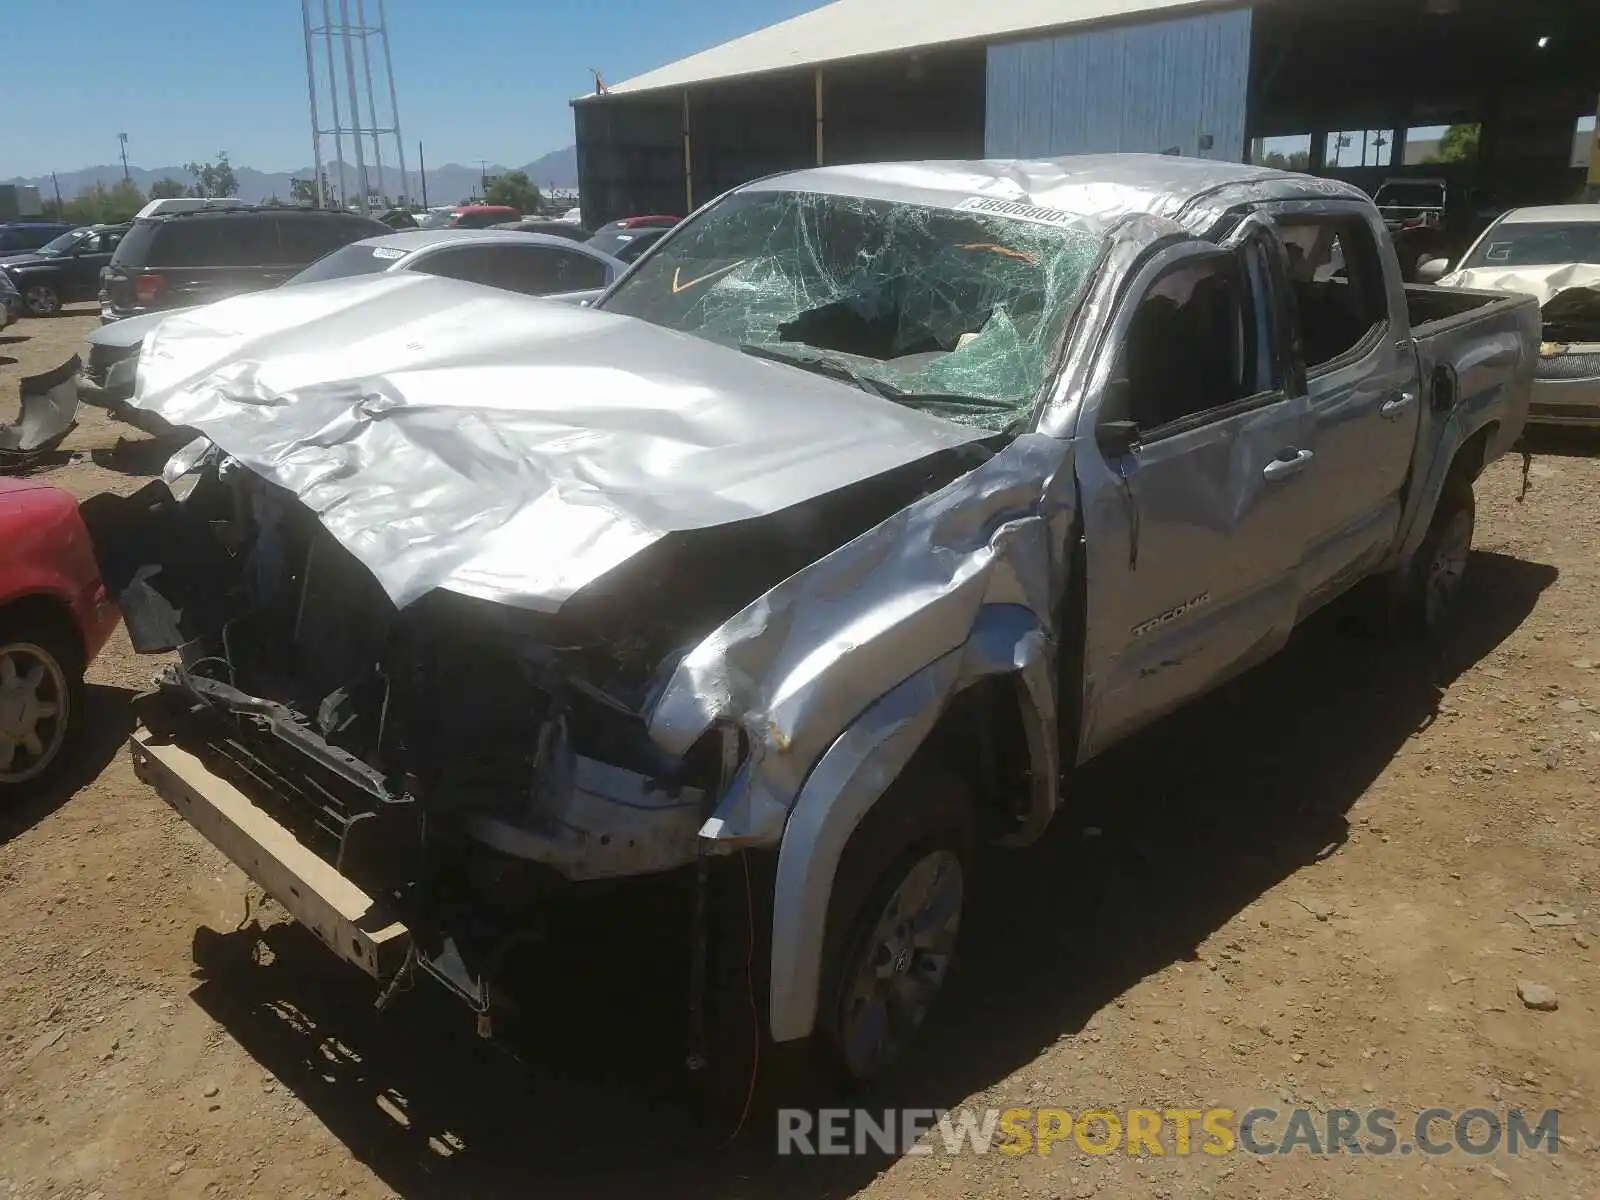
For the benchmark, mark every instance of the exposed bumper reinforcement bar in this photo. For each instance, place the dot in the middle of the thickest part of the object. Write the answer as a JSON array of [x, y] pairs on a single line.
[[349, 921]]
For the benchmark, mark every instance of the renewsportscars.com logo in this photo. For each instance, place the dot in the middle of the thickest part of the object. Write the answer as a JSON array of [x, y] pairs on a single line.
[[1377, 1132]]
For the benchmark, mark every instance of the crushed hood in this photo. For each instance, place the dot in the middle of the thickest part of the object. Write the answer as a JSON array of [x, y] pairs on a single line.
[[451, 435], [1543, 283]]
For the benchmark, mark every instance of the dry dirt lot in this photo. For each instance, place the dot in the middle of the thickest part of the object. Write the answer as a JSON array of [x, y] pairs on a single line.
[[1302, 892]]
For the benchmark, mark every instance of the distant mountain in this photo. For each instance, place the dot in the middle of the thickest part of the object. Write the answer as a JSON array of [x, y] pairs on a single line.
[[558, 169], [446, 184]]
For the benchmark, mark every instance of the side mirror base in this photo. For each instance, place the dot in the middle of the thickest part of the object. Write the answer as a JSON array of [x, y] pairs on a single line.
[[1117, 439]]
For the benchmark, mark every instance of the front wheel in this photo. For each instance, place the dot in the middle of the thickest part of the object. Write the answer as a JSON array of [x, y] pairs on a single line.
[[1429, 586], [41, 300], [41, 703], [894, 918], [896, 962]]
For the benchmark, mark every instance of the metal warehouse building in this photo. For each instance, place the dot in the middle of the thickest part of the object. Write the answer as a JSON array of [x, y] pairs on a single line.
[[1359, 88]]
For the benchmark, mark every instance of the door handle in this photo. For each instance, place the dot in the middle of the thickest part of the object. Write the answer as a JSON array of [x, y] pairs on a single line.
[[1390, 410], [1282, 468]]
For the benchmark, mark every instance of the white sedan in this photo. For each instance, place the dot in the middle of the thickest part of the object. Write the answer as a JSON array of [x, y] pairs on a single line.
[[1553, 254]]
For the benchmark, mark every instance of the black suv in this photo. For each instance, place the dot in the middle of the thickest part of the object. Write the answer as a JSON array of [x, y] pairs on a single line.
[[189, 258]]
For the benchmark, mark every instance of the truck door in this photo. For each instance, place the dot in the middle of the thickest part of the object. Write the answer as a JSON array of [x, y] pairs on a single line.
[[1194, 462], [91, 257], [1361, 376]]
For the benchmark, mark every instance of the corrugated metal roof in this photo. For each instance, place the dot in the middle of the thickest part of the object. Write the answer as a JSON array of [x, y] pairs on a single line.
[[856, 28]]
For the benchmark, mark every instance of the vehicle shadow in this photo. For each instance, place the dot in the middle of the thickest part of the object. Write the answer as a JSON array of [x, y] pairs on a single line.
[[1195, 818], [143, 455], [108, 720]]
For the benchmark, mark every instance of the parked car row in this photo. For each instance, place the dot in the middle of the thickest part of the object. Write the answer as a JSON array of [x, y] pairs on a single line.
[[63, 271], [19, 237]]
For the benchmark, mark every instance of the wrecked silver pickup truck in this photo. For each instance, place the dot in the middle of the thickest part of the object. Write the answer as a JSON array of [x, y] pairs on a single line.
[[866, 505]]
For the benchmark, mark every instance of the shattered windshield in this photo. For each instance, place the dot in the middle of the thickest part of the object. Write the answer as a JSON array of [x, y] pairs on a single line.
[[953, 312]]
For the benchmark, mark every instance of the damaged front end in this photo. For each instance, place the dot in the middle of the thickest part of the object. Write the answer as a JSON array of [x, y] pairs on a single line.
[[1567, 377], [456, 760], [459, 761]]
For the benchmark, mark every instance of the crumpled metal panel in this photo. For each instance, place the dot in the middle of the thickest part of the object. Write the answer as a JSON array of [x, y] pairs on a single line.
[[1542, 283], [456, 436], [798, 665], [49, 411], [1098, 191]]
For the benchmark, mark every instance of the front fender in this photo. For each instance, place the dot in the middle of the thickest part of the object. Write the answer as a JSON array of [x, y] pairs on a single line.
[[797, 667], [865, 761]]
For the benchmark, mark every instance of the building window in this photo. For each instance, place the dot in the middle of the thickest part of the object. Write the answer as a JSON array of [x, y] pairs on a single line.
[[1427, 144], [1582, 140], [1359, 148], [1289, 153]]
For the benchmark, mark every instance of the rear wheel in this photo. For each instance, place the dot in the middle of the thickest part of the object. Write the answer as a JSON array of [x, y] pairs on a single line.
[[41, 702], [1430, 585], [41, 300]]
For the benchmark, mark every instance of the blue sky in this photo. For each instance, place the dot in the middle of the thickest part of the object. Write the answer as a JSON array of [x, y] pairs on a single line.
[[478, 79]]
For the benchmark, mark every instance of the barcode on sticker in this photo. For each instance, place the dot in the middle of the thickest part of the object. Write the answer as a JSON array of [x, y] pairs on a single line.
[[1021, 212]]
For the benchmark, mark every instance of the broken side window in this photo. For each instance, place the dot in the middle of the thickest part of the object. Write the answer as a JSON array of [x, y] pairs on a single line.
[[954, 312]]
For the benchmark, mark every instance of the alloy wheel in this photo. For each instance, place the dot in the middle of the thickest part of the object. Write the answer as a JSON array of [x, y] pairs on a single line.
[[34, 711]]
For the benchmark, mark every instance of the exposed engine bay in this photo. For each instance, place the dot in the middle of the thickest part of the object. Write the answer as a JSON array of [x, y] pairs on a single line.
[[459, 758]]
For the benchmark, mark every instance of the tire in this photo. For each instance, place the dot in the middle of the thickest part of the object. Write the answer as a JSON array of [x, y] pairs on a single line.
[[1430, 584], [41, 701], [41, 300], [927, 816]]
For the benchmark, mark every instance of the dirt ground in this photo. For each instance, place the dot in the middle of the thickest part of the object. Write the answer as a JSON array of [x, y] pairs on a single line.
[[1301, 892]]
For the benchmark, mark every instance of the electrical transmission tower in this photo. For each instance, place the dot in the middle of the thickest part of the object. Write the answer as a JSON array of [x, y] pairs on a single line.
[[339, 70]]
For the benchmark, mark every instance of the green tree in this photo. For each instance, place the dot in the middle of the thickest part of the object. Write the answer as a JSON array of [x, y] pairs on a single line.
[[167, 189], [515, 190], [305, 191], [1300, 160], [1459, 144], [99, 204], [123, 200], [214, 178]]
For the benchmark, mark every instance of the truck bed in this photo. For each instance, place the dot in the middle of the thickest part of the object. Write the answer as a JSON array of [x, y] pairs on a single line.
[[1433, 310], [1476, 353]]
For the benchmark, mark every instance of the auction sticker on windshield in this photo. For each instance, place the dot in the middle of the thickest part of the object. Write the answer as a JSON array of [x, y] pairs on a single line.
[[1021, 212]]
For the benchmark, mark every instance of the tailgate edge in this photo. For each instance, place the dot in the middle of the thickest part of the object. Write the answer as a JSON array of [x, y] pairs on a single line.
[[348, 920]]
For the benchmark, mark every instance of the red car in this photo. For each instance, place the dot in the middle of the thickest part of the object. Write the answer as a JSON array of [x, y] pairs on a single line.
[[55, 616], [469, 216]]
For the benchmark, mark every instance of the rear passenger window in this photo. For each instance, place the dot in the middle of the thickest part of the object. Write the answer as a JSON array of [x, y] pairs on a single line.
[[579, 272], [466, 262], [1337, 278], [134, 248], [208, 241], [1194, 344]]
